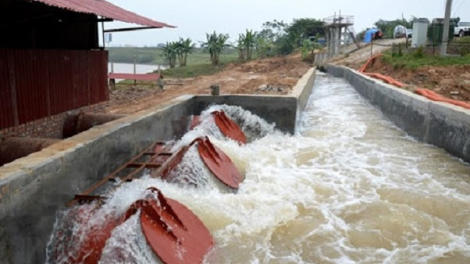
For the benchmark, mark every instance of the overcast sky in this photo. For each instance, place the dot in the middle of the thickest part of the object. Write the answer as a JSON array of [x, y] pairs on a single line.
[[194, 18]]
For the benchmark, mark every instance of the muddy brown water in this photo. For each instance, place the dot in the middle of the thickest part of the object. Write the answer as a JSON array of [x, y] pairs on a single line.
[[349, 187]]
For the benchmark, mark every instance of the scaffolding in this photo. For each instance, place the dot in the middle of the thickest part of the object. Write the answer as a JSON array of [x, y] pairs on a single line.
[[337, 27]]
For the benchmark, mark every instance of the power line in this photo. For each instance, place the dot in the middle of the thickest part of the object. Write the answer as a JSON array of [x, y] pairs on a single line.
[[456, 9]]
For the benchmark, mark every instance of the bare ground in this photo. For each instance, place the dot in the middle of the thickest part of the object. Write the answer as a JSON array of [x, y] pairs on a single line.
[[450, 81], [266, 76]]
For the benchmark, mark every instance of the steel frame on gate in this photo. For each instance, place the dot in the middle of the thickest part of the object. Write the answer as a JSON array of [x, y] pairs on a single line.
[[137, 167]]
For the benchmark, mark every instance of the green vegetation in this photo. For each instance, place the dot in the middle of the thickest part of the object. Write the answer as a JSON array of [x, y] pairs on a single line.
[[245, 44], [461, 45], [276, 38], [180, 50], [283, 39], [308, 48], [388, 27], [191, 71], [215, 45], [155, 56], [419, 58], [170, 53]]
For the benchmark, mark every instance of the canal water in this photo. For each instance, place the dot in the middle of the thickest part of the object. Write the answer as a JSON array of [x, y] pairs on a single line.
[[348, 187]]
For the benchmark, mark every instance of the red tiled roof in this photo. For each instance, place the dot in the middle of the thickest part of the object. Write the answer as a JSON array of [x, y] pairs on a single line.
[[104, 9]]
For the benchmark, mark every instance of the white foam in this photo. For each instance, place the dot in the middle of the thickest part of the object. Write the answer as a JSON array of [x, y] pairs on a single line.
[[349, 187]]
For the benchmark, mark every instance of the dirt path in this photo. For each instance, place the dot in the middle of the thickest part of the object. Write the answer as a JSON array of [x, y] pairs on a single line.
[[267, 76], [358, 57]]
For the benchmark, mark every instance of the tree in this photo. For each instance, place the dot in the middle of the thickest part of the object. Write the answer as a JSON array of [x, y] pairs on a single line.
[[387, 27], [249, 43], [215, 44], [304, 28], [285, 38], [272, 31], [241, 46], [308, 48], [170, 52], [185, 47], [263, 47]]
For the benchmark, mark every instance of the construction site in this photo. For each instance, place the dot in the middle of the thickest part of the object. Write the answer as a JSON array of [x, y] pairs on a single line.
[[345, 159]]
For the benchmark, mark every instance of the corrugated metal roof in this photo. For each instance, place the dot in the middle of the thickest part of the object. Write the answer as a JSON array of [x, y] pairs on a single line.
[[104, 9]]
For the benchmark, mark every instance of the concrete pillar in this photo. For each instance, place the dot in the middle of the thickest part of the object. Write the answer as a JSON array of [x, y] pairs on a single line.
[[327, 37], [328, 40], [341, 35], [338, 40], [333, 41]]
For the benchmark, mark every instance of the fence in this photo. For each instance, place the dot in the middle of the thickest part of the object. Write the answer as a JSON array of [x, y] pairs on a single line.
[[40, 83], [457, 46]]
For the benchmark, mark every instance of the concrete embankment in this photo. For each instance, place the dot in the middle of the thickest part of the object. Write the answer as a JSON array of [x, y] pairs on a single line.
[[34, 188], [440, 124]]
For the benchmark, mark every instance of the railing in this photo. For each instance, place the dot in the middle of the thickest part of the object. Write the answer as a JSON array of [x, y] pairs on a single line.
[[332, 20]]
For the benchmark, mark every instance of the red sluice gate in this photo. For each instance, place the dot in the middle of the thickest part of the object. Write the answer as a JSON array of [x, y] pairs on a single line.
[[173, 232]]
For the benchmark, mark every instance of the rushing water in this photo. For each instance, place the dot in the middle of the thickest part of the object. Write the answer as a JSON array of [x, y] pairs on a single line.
[[349, 187]]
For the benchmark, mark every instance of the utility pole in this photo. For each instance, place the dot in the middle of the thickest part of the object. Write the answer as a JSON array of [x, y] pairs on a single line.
[[445, 32]]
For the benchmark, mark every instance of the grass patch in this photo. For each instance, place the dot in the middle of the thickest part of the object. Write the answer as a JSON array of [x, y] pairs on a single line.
[[155, 56], [415, 61], [191, 71]]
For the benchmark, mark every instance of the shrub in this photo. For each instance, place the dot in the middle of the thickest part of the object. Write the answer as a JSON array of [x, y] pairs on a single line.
[[419, 52], [463, 46]]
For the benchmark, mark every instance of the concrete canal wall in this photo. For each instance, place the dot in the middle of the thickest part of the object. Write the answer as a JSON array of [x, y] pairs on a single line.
[[440, 124], [34, 188]]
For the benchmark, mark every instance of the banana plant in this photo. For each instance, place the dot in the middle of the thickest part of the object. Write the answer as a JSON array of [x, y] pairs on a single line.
[[249, 43], [241, 46], [186, 46], [215, 44], [170, 52]]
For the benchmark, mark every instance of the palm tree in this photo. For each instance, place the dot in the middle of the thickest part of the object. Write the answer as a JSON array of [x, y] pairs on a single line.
[[186, 47], [241, 46], [215, 44], [249, 43], [170, 51]]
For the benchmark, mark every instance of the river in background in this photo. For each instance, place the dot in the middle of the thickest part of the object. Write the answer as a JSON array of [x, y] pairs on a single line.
[[129, 68]]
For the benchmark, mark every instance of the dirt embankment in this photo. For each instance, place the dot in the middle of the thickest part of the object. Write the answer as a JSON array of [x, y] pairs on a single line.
[[449, 81], [267, 76]]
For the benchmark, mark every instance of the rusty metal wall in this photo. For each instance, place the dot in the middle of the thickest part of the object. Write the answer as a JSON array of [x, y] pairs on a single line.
[[40, 83]]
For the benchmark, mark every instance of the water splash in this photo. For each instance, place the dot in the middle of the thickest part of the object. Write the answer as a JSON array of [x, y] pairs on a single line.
[[348, 188]]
